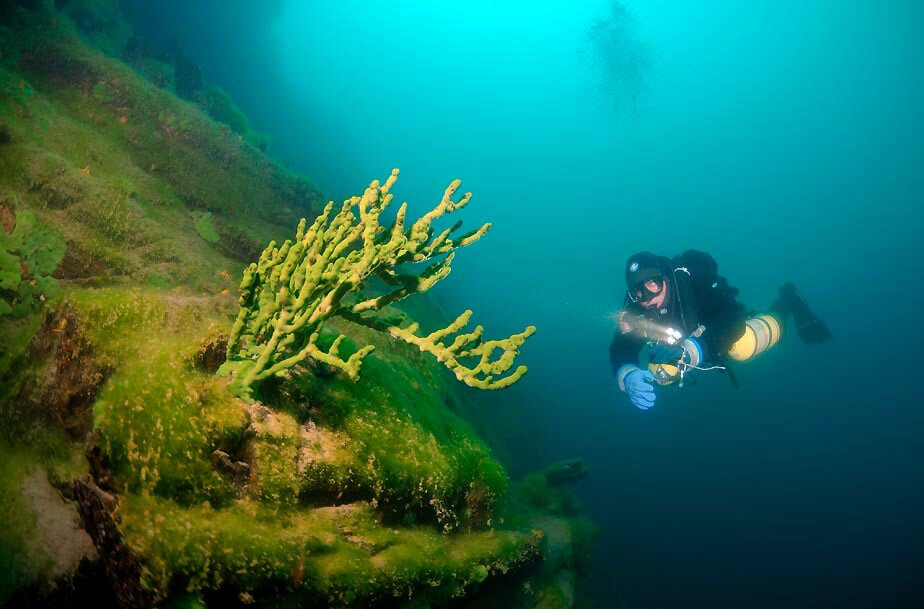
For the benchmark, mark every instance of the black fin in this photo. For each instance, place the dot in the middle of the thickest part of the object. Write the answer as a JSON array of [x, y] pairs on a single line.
[[809, 326]]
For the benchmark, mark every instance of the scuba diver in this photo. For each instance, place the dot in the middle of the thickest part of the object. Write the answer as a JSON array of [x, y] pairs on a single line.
[[680, 315]]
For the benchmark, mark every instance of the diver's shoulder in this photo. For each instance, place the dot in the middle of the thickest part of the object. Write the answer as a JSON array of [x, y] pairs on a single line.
[[698, 259]]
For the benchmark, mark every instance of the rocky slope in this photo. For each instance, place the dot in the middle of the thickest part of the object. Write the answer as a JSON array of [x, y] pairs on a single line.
[[130, 474]]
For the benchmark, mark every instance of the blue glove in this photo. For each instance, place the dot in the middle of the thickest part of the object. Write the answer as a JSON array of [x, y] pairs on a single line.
[[640, 388], [664, 354]]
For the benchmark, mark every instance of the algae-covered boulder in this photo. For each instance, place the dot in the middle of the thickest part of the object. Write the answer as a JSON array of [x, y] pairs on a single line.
[[29, 254], [127, 219]]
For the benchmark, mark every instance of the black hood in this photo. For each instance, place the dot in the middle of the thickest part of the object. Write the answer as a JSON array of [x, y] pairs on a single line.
[[646, 265]]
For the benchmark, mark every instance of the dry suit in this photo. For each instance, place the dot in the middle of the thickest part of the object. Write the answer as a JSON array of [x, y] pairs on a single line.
[[699, 324]]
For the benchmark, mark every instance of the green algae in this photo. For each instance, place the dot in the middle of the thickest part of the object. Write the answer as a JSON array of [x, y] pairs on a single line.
[[19, 566], [222, 108], [25, 557], [159, 430], [338, 493], [14, 338], [340, 554], [389, 438], [161, 419], [29, 253], [205, 228], [103, 93], [100, 22]]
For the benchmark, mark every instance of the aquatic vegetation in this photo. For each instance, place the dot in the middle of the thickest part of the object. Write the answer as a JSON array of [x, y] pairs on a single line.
[[290, 293], [103, 93], [338, 555], [19, 565], [205, 228], [29, 253], [544, 490], [172, 124], [158, 72], [17, 89], [101, 22], [222, 108], [139, 213]]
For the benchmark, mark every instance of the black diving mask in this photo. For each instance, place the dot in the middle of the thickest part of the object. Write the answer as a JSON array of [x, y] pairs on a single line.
[[640, 292]]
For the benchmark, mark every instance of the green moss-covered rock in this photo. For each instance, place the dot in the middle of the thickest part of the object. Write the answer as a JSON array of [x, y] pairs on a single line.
[[102, 92], [158, 72], [123, 158], [329, 492], [30, 252], [339, 554], [390, 439], [101, 22], [41, 542], [205, 228], [20, 563], [159, 430], [222, 108]]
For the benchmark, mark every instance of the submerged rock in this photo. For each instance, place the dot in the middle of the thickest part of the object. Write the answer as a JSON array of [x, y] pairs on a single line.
[[326, 493], [59, 533]]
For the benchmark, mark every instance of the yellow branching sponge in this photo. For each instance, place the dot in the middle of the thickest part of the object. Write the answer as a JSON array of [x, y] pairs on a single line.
[[289, 293]]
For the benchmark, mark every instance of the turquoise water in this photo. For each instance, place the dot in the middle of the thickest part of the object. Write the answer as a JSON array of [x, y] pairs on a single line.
[[785, 138]]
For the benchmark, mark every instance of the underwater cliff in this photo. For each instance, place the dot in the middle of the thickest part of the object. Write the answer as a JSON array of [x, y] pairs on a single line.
[[136, 207]]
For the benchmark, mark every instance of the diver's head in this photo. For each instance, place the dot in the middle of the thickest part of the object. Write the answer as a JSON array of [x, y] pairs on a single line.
[[647, 280]]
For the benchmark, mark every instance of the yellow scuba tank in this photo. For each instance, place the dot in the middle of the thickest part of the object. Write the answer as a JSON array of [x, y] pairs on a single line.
[[760, 333]]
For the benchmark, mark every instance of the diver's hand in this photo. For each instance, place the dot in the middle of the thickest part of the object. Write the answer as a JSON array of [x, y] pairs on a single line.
[[690, 352], [664, 354], [640, 388]]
